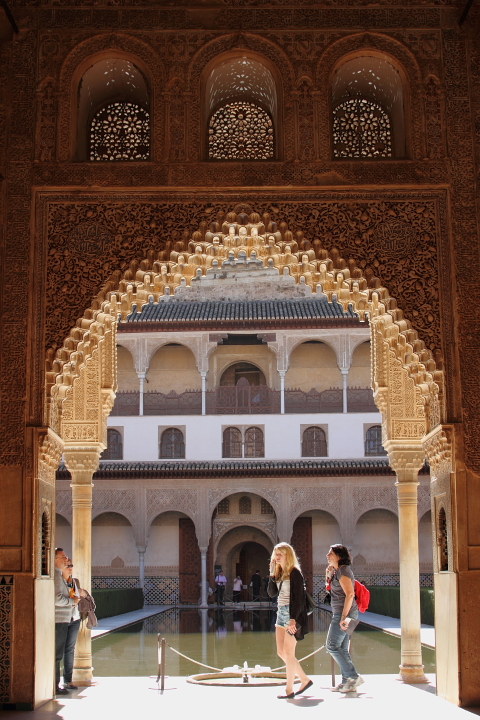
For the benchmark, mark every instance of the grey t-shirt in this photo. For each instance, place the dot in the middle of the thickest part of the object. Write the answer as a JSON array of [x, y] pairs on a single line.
[[336, 591]]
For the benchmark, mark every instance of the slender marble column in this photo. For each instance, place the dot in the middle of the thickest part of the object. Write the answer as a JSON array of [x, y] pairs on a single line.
[[282, 391], [141, 565], [82, 463], [406, 464], [203, 373], [141, 378], [344, 372], [203, 556]]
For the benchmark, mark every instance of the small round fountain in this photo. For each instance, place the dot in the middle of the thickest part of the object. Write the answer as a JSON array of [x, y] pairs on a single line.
[[237, 676]]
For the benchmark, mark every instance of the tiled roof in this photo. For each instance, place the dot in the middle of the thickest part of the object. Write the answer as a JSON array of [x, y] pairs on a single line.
[[182, 311], [237, 468]]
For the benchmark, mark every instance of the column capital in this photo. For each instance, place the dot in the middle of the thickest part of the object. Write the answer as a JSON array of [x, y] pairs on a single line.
[[406, 459], [82, 462]]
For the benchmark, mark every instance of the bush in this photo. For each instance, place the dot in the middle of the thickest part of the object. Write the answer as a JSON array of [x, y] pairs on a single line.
[[386, 601], [116, 602]]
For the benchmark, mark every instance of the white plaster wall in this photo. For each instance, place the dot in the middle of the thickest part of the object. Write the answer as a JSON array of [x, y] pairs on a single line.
[[203, 436], [325, 532], [126, 374], [162, 546], [173, 367], [376, 537], [111, 541]]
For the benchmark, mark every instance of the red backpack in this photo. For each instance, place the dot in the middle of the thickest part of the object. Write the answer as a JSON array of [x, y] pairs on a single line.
[[362, 596]]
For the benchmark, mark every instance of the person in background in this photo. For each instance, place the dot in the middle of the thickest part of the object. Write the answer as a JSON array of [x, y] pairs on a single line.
[[256, 585], [67, 620], [342, 583], [237, 588], [287, 581], [220, 582]]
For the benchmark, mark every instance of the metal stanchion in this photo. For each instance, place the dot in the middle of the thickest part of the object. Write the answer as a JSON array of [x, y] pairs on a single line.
[[162, 661], [332, 662]]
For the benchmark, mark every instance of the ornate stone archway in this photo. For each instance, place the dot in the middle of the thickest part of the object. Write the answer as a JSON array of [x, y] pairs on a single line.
[[408, 387]]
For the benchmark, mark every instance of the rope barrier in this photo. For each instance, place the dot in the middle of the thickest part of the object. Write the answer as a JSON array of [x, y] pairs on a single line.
[[209, 667], [193, 661], [301, 660]]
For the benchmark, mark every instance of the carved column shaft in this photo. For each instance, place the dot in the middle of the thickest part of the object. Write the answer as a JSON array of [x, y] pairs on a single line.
[[82, 463], [407, 463]]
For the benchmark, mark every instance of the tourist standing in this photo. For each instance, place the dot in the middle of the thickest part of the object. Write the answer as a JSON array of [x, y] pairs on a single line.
[[220, 582], [344, 608], [67, 620], [287, 581], [237, 588]]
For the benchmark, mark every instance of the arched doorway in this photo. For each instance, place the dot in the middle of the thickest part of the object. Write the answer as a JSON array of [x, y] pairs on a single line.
[[252, 557]]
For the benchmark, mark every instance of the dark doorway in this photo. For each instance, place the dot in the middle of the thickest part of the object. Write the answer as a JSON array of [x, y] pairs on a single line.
[[253, 557]]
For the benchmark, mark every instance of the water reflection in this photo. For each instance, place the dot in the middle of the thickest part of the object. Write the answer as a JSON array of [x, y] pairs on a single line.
[[223, 637]]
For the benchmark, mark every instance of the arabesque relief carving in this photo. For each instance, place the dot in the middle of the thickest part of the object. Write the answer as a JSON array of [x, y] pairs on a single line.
[[238, 239]]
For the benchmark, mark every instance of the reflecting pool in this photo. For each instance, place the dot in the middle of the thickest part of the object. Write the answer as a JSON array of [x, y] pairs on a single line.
[[224, 637]]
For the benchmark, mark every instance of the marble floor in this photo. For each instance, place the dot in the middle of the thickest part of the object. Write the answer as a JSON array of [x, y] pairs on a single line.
[[381, 697]]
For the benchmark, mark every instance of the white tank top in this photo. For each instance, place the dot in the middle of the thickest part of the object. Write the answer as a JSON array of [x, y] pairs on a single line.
[[284, 595]]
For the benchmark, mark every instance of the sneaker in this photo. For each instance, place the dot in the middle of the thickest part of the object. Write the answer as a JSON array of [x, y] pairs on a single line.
[[70, 686], [61, 691], [340, 686], [352, 684]]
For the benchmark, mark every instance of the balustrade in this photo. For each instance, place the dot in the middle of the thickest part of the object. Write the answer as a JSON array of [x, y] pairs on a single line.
[[243, 399]]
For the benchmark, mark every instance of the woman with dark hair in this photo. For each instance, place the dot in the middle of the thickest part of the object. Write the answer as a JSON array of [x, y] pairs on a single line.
[[344, 609]]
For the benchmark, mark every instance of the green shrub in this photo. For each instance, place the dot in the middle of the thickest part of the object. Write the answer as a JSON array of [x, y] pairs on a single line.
[[386, 601], [111, 602]]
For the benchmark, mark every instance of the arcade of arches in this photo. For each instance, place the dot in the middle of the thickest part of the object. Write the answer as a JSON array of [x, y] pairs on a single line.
[[250, 216]]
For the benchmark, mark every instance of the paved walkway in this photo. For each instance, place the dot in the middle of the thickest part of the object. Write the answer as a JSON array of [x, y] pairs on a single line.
[[123, 698]]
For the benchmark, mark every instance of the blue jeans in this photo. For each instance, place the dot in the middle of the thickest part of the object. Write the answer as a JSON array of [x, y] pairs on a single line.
[[337, 646], [65, 639]]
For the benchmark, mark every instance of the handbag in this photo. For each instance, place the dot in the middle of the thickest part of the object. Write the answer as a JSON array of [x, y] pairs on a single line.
[[310, 604]]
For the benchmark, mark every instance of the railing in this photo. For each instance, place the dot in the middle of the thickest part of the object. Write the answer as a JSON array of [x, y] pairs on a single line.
[[126, 403], [186, 403], [243, 399], [328, 401]]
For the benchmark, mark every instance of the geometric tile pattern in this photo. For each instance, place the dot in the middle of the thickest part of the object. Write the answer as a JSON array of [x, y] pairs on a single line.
[[157, 590]]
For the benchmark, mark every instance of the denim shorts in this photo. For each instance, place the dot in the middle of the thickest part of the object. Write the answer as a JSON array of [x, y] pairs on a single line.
[[283, 616]]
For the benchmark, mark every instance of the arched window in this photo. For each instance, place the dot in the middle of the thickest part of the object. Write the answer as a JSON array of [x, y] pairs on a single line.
[[373, 441], [442, 540], [223, 507], [45, 543], [368, 113], [245, 505], [240, 131], [254, 445], [114, 449], [232, 443], [113, 113], [361, 128], [266, 508], [314, 442], [172, 444], [240, 370], [240, 110], [120, 131]]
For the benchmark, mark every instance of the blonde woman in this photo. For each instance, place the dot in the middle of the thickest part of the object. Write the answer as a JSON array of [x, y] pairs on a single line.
[[286, 581]]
